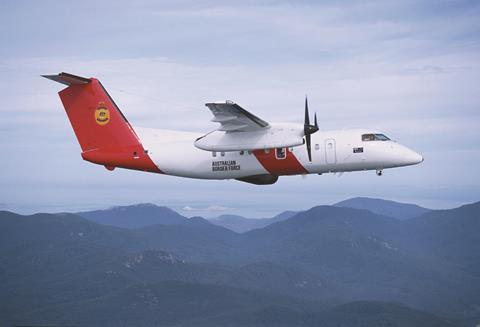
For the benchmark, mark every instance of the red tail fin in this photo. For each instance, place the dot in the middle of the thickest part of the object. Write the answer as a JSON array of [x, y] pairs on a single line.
[[103, 132]]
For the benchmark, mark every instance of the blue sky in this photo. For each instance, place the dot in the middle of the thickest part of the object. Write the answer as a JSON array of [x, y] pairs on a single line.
[[409, 68]]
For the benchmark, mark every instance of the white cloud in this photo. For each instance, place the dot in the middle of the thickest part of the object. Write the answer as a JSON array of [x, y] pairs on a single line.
[[211, 208], [205, 211]]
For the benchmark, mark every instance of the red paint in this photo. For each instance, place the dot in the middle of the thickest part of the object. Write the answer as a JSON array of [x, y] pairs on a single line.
[[113, 144], [288, 166]]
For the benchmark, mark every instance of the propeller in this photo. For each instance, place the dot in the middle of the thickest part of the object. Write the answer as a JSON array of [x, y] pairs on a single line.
[[308, 130]]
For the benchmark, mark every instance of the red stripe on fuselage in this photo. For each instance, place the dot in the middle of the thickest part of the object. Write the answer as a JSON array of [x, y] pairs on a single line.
[[133, 157], [288, 166]]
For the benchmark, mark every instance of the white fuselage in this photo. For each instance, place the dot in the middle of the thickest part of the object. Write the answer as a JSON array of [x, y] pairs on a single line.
[[174, 153]]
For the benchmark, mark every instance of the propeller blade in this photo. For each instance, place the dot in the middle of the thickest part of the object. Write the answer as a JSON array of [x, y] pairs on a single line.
[[307, 118], [309, 149], [308, 130]]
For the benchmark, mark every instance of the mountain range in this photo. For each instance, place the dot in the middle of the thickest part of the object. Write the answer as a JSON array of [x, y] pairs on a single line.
[[329, 265], [241, 224], [134, 216], [147, 214], [384, 207]]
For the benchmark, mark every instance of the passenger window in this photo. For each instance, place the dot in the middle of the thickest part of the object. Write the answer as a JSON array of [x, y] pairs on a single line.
[[281, 153], [222, 154], [242, 152], [214, 154], [317, 147]]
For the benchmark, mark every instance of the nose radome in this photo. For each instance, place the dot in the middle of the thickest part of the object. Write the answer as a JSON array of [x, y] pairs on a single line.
[[404, 156], [414, 157], [407, 156]]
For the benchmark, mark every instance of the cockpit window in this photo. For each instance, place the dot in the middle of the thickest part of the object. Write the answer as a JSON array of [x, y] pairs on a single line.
[[381, 137], [374, 137], [368, 137]]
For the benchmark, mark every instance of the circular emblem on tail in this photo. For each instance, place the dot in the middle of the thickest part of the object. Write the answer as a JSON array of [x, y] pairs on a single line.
[[102, 114]]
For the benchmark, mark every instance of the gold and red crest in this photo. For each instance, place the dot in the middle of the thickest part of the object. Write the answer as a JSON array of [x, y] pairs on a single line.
[[102, 114]]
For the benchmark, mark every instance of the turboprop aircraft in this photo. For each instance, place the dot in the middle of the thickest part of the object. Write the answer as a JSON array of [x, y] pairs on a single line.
[[244, 147]]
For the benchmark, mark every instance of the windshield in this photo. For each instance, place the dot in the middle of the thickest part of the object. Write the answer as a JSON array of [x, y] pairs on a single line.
[[375, 137], [381, 137]]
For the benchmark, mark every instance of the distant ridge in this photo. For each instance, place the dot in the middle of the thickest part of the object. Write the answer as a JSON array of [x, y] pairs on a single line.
[[241, 224], [147, 214], [134, 216], [389, 208]]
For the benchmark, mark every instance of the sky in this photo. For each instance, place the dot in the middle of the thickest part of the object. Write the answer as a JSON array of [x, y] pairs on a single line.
[[408, 68]]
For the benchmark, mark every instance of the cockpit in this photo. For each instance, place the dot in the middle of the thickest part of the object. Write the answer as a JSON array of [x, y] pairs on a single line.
[[375, 137]]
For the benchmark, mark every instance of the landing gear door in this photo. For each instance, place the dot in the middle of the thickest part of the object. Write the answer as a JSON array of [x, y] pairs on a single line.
[[330, 152]]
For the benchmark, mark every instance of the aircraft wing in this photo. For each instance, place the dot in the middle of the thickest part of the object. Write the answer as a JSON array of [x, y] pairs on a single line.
[[241, 130], [233, 118]]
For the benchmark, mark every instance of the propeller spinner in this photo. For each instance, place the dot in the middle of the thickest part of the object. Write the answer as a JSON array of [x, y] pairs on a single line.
[[308, 130]]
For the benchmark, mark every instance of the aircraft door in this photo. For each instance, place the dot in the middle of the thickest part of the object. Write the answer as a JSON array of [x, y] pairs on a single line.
[[330, 152], [280, 153]]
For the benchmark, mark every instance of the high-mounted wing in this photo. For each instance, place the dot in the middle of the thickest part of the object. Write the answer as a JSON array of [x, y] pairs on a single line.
[[241, 130], [233, 118]]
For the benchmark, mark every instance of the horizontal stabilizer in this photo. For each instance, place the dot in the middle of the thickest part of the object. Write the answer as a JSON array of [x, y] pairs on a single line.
[[68, 79]]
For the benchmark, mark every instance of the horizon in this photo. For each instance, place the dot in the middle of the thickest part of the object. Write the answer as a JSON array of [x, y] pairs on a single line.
[[209, 213]]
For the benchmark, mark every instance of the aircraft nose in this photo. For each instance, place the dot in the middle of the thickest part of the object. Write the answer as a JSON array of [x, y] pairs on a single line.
[[414, 157], [404, 156]]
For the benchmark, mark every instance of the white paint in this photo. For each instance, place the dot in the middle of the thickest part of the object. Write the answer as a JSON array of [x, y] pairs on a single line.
[[175, 154]]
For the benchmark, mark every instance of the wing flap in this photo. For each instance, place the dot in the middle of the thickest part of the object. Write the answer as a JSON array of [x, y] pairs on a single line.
[[232, 127], [233, 118], [224, 119]]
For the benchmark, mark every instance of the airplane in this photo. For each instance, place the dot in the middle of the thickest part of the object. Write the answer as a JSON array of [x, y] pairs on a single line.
[[244, 147]]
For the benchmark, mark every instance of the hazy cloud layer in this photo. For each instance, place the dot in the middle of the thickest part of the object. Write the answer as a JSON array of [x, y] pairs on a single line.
[[408, 68]]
